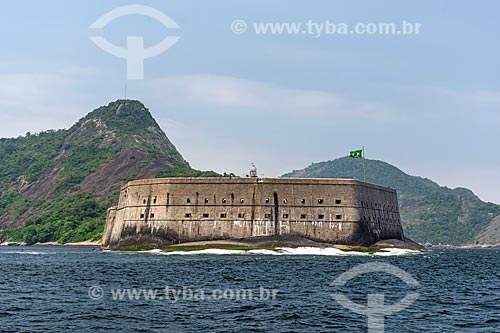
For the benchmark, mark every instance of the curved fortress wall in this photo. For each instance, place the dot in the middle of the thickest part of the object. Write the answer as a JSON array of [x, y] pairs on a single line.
[[162, 212]]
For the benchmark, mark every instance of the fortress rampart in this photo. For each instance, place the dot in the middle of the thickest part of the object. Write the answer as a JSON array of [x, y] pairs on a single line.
[[161, 212]]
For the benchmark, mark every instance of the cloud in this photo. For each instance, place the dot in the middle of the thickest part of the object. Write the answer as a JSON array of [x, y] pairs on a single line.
[[236, 94], [484, 99], [38, 101], [44, 92], [82, 70], [439, 101], [27, 89]]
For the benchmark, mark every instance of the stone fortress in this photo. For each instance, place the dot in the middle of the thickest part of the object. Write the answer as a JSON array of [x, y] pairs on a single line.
[[162, 212]]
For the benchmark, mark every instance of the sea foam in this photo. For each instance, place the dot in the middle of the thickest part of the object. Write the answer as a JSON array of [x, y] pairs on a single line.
[[303, 251]]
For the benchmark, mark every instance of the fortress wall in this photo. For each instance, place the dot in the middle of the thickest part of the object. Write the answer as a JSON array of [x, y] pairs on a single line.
[[110, 224], [175, 210], [379, 213]]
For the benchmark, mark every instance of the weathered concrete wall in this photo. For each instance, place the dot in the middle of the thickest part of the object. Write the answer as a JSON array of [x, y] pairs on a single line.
[[161, 212]]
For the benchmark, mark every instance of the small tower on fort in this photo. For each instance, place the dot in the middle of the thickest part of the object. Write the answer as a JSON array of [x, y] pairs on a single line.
[[253, 170]]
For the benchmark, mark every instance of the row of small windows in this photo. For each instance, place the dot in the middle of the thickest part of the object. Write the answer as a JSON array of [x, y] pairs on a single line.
[[144, 201], [364, 204], [242, 215], [267, 200], [379, 218], [304, 216]]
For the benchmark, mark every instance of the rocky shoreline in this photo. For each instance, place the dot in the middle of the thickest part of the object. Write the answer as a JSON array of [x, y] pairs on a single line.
[[286, 241], [466, 246], [269, 242], [84, 243]]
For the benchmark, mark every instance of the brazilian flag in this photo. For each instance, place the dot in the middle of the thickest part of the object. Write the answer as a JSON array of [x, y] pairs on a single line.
[[356, 154]]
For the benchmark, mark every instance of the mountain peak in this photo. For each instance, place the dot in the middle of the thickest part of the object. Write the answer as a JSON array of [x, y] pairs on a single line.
[[127, 125], [123, 115], [93, 159]]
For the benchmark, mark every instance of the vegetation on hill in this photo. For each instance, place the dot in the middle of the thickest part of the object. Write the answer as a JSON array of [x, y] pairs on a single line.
[[57, 185], [189, 172], [430, 213]]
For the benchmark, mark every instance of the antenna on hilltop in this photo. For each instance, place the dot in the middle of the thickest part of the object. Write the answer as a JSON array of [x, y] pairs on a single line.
[[125, 90]]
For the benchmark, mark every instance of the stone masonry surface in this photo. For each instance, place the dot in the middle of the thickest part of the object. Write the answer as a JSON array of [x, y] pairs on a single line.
[[161, 212]]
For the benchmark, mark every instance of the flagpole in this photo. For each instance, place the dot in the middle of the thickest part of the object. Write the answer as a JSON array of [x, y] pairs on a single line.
[[363, 158]]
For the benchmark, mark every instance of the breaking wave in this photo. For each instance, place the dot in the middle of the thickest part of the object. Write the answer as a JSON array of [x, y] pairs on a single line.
[[314, 251], [27, 252]]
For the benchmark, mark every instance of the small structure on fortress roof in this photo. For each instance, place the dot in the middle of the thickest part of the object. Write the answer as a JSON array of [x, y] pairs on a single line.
[[253, 170], [163, 212]]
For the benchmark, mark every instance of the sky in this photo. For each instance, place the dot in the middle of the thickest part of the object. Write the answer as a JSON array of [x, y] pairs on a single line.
[[429, 103]]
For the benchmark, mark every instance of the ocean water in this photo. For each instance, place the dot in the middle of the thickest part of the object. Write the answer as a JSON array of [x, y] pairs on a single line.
[[60, 289]]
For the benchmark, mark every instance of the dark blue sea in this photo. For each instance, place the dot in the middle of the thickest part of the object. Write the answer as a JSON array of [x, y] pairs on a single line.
[[62, 289]]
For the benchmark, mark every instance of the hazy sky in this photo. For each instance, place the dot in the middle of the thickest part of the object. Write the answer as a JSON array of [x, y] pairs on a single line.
[[427, 103]]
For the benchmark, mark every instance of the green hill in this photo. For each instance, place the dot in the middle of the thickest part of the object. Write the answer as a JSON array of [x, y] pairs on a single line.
[[430, 213], [57, 185]]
